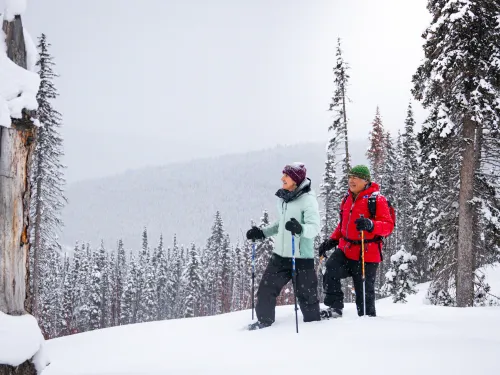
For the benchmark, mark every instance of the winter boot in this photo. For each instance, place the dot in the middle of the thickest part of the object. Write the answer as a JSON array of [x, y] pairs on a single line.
[[331, 313], [258, 325]]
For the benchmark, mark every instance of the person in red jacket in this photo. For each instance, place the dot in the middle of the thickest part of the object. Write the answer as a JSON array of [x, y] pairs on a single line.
[[345, 261]]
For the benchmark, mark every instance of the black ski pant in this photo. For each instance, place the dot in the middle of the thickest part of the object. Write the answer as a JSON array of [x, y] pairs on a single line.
[[277, 274], [339, 267]]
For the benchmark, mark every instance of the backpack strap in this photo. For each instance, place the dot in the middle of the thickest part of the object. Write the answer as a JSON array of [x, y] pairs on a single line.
[[372, 204], [372, 208]]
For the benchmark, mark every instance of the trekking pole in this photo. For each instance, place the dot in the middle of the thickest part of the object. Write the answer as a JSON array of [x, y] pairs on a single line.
[[253, 275], [363, 268], [294, 282]]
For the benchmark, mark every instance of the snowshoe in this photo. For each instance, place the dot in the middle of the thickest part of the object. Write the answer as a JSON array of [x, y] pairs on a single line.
[[258, 325], [330, 313]]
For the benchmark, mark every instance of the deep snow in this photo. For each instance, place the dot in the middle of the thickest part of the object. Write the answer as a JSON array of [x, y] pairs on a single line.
[[414, 338]]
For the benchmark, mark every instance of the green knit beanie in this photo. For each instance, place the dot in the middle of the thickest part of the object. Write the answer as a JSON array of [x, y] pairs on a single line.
[[360, 171]]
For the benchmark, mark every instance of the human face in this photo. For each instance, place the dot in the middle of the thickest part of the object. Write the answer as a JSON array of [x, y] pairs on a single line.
[[288, 183], [356, 184]]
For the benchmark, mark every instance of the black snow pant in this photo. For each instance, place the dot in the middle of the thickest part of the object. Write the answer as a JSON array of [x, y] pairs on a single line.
[[277, 274], [339, 267]]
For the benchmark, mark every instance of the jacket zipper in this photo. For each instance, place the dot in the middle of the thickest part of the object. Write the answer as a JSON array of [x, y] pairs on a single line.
[[283, 237]]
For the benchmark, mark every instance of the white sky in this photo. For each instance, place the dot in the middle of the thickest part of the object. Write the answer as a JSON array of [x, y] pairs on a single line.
[[154, 81]]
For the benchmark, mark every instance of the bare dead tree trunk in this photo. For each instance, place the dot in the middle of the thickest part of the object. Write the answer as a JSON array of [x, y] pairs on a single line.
[[16, 148], [465, 252]]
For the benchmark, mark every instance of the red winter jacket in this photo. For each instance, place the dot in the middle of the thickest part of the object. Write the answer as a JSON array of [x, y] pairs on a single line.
[[351, 210]]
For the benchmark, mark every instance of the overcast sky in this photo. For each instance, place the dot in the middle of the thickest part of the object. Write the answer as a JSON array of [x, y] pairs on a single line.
[[147, 82]]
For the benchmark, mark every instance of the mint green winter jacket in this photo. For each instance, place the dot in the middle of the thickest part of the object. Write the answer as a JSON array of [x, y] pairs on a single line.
[[304, 208]]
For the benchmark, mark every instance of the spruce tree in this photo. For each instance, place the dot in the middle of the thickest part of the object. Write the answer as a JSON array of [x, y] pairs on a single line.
[[50, 293], [391, 186], [437, 214], [214, 250], [128, 311], [82, 288], [408, 202], [47, 177], [192, 284], [96, 295], [401, 277], [161, 276], [173, 281], [225, 276], [121, 274], [239, 278], [148, 308], [334, 184], [376, 153], [459, 76]]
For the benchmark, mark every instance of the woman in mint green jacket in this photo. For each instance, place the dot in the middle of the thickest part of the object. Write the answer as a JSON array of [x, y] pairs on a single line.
[[299, 216]]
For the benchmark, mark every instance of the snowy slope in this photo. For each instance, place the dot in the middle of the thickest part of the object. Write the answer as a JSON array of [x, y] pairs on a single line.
[[406, 339]]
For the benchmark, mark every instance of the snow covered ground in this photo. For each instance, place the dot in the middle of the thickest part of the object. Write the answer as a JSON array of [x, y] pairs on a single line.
[[409, 339]]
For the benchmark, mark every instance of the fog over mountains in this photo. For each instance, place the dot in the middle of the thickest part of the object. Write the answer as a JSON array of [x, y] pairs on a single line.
[[181, 199]]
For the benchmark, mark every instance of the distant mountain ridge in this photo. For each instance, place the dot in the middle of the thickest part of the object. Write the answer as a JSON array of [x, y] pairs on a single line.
[[182, 198]]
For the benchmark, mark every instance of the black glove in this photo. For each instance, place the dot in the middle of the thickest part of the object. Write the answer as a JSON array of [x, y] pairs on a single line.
[[255, 234], [293, 226], [327, 245], [364, 224]]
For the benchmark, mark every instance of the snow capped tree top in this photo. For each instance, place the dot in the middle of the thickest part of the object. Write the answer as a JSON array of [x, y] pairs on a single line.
[[14, 8]]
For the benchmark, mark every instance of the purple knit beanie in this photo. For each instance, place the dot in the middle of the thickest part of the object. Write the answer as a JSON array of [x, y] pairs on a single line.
[[296, 171]]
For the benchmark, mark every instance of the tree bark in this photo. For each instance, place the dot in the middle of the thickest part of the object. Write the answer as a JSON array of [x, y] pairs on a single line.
[[15, 153], [465, 251], [26, 368], [16, 148]]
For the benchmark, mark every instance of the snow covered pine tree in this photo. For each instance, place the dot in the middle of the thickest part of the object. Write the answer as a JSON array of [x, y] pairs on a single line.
[[459, 80], [401, 277]]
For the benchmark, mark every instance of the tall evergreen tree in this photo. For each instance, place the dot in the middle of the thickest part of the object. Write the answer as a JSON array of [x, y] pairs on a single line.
[[121, 274], [96, 296], [82, 287], [239, 278], [214, 250], [161, 276], [148, 307], [437, 214], [174, 281], [460, 77], [128, 313], [338, 105], [407, 202], [69, 283], [391, 186], [375, 153], [50, 292], [225, 276], [192, 284], [334, 186], [114, 299], [47, 177]]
